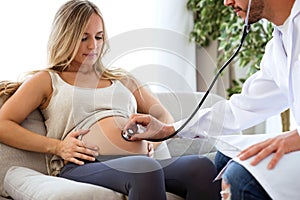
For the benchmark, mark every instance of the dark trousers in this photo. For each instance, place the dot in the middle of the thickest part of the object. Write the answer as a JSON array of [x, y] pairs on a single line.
[[144, 178]]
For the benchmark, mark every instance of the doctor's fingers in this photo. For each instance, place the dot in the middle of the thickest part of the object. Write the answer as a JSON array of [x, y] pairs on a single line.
[[142, 119], [272, 148], [275, 159], [254, 149]]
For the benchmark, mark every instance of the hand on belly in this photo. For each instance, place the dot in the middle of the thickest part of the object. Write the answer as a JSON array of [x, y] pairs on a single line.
[[106, 135]]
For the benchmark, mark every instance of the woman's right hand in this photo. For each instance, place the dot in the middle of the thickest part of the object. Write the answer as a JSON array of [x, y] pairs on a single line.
[[71, 149]]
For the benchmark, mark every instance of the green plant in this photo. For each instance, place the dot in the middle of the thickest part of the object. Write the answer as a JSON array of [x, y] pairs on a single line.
[[214, 21]]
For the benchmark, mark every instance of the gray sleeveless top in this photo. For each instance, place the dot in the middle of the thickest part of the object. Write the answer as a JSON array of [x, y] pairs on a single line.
[[73, 107]]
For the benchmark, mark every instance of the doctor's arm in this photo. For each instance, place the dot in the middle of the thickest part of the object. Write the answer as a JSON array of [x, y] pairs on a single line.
[[225, 117], [288, 141]]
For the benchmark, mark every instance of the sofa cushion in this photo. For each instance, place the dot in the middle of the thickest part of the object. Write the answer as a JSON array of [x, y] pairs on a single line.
[[15, 157], [27, 184]]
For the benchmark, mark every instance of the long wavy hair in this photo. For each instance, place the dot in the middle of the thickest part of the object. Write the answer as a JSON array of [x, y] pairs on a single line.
[[68, 28]]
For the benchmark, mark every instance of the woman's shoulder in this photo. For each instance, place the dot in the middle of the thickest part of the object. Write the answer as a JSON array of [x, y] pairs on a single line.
[[131, 82], [42, 75], [39, 80], [40, 84]]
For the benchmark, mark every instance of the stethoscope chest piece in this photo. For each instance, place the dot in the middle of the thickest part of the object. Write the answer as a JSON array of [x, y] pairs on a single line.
[[127, 134]]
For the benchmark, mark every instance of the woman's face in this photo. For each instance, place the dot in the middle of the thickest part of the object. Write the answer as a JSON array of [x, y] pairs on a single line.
[[91, 43]]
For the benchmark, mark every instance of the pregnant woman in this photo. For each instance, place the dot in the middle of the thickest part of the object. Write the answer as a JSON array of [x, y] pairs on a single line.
[[85, 107]]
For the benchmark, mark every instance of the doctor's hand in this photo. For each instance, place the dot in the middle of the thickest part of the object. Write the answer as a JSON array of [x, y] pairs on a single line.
[[279, 145], [155, 129], [71, 149]]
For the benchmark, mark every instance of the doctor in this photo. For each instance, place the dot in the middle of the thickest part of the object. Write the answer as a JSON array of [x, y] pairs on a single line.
[[268, 166]]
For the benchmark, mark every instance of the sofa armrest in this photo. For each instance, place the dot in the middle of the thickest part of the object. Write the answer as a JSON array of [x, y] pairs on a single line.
[[25, 183], [185, 146]]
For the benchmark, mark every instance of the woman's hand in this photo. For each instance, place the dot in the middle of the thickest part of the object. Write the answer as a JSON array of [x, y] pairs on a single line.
[[280, 145], [150, 150], [72, 149]]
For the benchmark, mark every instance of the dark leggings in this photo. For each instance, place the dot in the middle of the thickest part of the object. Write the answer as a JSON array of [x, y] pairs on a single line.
[[141, 177]]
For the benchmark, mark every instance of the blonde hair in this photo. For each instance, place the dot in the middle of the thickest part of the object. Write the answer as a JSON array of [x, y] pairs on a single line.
[[67, 30], [68, 27], [7, 88]]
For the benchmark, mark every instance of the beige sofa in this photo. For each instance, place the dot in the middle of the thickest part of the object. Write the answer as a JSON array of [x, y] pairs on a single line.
[[23, 174]]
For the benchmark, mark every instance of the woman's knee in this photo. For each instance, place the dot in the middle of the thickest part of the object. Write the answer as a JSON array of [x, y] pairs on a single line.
[[199, 178], [201, 163], [193, 166], [146, 164], [135, 164]]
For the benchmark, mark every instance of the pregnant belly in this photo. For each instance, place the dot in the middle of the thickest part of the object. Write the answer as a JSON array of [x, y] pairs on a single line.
[[106, 135]]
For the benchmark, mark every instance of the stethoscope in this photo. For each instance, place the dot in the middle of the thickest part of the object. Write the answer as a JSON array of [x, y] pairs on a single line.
[[127, 134]]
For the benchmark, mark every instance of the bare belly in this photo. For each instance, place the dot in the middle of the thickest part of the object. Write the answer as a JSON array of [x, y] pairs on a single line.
[[106, 135]]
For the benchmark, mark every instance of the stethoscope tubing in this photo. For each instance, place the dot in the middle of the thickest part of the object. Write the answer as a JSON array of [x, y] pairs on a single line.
[[126, 135], [246, 30]]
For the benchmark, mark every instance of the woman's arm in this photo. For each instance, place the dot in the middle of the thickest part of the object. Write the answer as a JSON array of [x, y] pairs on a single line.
[[35, 93], [29, 96], [147, 103]]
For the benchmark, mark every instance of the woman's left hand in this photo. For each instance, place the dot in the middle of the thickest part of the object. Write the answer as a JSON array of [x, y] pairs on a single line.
[[150, 150], [280, 145]]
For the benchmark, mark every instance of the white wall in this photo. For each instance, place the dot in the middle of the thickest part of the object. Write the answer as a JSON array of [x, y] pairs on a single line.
[[24, 32], [148, 37], [152, 42]]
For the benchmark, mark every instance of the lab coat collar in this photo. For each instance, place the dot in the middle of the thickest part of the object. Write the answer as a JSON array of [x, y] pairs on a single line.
[[296, 9]]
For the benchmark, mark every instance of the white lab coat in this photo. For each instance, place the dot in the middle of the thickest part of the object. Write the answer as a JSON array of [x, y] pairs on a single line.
[[270, 91]]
